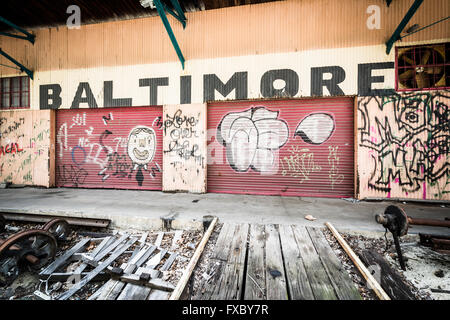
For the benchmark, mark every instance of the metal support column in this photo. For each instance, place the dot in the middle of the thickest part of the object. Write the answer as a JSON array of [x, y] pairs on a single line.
[[396, 35], [180, 17]]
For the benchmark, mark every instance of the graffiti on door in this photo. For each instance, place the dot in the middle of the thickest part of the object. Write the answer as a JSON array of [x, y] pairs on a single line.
[[24, 147], [109, 149], [406, 139], [282, 148], [251, 138]]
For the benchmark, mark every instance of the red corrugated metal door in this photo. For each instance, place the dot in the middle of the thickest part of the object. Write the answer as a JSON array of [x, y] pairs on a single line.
[[291, 147], [109, 148]]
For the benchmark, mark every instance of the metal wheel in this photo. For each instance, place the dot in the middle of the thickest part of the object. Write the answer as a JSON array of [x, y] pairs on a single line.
[[59, 228], [401, 219], [30, 247]]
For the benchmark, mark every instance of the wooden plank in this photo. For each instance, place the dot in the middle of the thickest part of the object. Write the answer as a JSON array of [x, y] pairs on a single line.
[[232, 280], [217, 262], [275, 275], [255, 278], [390, 280], [77, 286], [156, 259], [64, 276], [114, 287], [376, 287], [137, 292], [297, 279], [142, 258], [193, 262], [96, 255], [134, 292], [158, 295], [317, 275], [157, 283], [169, 262], [105, 242], [111, 247], [143, 238], [176, 237], [221, 249], [153, 273], [64, 257], [159, 239], [343, 284]]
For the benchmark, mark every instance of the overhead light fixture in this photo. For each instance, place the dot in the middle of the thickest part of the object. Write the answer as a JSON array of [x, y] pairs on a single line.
[[147, 3]]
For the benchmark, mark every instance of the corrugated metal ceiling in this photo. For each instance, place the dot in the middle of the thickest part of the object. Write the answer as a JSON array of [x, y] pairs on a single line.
[[33, 13]]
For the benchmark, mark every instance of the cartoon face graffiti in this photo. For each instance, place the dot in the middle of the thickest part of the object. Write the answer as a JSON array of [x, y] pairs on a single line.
[[141, 145]]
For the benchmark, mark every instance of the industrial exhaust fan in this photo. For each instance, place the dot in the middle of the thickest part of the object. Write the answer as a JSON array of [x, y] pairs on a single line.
[[421, 67]]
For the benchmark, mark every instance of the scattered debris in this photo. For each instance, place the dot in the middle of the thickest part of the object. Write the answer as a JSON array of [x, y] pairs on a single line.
[[86, 260], [374, 285], [310, 217], [421, 263]]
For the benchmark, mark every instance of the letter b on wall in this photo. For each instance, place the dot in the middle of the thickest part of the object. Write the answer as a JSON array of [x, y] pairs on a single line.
[[50, 96]]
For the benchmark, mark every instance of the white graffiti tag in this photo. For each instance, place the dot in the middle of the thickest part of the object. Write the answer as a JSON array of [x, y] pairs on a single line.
[[315, 128], [251, 138]]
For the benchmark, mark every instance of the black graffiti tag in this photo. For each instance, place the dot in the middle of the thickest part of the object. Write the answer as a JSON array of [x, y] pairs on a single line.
[[412, 144], [72, 175]]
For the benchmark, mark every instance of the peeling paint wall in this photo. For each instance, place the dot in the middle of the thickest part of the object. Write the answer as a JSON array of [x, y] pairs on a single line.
[[403, 146], [27, 147], [184, 141]]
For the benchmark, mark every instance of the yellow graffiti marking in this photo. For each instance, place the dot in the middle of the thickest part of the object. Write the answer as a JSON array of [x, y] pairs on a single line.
[[299, 164]]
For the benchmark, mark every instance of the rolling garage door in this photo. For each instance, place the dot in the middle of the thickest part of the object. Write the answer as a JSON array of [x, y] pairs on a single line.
[[292, 147], [109, 148]]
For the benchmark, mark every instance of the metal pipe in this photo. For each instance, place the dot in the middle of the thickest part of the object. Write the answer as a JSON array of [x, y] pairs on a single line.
[[30, 217], [429, 222], [440, 243]]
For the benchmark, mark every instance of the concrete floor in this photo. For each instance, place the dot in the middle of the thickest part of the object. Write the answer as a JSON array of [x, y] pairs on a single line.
[[144, 209]]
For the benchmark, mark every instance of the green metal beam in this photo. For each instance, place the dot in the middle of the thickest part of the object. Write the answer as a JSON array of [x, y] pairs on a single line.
[[177, 7], [162, 14], [175, 15], [17, 63], [28, 36], [396, 35]]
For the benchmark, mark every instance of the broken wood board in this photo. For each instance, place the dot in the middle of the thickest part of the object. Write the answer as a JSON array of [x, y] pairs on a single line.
[[97, 270], [389, 279], [181, 285], [340, 279], [156, 283], [112, 289], [64, 257], [376, 287]]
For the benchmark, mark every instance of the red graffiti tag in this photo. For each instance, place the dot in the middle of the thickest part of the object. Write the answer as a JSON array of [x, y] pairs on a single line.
[[10, 148]]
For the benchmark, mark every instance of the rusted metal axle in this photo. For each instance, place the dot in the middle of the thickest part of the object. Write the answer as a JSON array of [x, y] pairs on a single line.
[[397, 222], [29, 257]]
